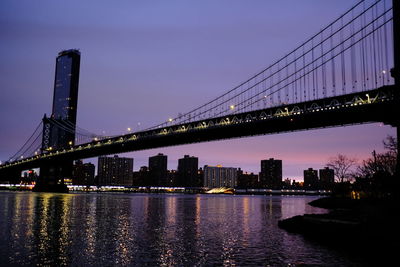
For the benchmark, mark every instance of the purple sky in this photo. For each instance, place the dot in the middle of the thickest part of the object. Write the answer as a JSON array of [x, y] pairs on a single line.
[[145, 61]]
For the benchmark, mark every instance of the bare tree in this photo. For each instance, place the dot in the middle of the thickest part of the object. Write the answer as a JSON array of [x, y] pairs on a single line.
[[381, 163], [342, 165], [390, 144], [384, 163]]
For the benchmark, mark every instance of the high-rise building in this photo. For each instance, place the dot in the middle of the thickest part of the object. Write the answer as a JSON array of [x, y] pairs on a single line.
[[83, 173], [59, 129], [271, 173], [115, 170], [188, 172], [326, 178], [311, 179], [158, 170], [218, 176]]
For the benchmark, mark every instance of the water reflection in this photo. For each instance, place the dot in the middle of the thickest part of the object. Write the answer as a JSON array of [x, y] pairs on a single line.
[[139, 229]]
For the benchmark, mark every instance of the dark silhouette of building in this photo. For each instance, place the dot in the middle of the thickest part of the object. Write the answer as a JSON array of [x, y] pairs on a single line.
[[59, 129], [29, 177], [187, 174], [200, 176], [141, 177], [326, 178], [158, 170], [287, 183], [172, 177], [311, 179], [115, 171], [271, 173], [246, 180], [83, 173]]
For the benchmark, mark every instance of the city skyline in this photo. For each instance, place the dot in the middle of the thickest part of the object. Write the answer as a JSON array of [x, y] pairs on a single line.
[[174, 65]]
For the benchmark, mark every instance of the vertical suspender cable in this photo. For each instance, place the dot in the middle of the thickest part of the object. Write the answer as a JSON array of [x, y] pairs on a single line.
[[373, 45], [343, 59], [313, 70], [386, 48], [353, 56], [362, 51], [295, 95], [322, 66], [333, 64], [304, 77]]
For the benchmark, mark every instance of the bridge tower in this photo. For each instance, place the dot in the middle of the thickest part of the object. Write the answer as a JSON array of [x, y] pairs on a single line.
[[59, 128], [396, 69]]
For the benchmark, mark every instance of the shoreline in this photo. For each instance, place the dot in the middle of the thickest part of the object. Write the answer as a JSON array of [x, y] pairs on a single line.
[[363, 228], [179, 190]]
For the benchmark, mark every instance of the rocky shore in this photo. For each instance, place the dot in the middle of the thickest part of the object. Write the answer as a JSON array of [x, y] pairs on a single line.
[[366, 228]]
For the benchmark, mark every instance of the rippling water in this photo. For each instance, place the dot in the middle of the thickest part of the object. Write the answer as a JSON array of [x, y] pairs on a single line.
[[106, 229]]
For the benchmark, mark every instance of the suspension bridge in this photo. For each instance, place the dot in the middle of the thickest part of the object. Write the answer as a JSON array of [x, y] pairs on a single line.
[[347, 73]]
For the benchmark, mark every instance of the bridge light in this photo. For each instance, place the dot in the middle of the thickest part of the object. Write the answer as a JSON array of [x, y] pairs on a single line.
[[287, 111], [129, 129], [232, 107], [170, 119], [384, 72], [70, 143]]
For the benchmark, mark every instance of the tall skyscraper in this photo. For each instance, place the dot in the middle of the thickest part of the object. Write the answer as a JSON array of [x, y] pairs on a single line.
[[115, 170], [158, 170], [188, 172], [218, 176], [59, 129], [311, 179], [271, 173]]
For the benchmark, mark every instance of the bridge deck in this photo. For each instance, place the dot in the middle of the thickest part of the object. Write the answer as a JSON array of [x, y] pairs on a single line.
[[378, 105]]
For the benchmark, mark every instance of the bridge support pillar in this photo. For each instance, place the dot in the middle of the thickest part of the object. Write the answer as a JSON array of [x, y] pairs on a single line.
[[396, 70], [398, 152], [52, 177]]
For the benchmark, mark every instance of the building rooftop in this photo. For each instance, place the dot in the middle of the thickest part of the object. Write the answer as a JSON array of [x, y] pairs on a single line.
[[69, 51]]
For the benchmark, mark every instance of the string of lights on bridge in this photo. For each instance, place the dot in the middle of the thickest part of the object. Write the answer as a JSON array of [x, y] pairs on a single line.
[[352, 54]]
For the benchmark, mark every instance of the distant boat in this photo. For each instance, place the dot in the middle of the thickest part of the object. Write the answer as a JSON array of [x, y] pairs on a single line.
[[221, 190]]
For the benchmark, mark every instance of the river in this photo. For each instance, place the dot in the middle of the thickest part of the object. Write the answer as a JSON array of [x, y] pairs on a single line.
[[121, 229]]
